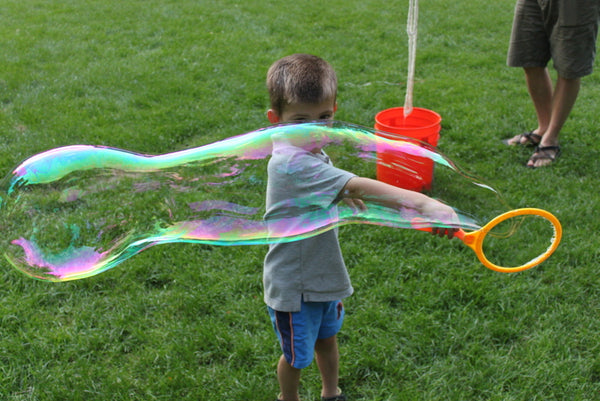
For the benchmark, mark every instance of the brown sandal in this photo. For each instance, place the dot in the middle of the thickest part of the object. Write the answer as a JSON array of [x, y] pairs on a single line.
[[531, 139], [544, 153]]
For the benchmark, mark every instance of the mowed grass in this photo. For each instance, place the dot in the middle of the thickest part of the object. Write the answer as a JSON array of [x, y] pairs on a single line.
[[187, 322]]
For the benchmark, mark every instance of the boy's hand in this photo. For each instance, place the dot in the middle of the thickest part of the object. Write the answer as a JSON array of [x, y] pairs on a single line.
[[445, 214], [444, 232], [355, 204]]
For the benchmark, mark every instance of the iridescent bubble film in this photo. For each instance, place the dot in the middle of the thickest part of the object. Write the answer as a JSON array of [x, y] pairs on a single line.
[[76, 211]]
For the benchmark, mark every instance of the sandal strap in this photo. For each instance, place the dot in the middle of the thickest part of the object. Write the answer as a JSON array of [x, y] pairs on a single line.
[[545, 153], [546, 149], [532, 137]]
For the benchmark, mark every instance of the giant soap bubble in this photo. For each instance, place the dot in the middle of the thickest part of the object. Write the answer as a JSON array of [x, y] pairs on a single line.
[[76, 211]]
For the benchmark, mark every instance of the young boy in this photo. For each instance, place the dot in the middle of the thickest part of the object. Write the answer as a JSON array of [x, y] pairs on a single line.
[[306, 280]]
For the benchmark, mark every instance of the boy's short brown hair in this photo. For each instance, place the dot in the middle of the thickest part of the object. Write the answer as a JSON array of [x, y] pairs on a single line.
[[300, 78]]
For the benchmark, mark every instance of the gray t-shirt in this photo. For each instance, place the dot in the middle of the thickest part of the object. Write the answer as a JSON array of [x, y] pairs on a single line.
[[303, 189]]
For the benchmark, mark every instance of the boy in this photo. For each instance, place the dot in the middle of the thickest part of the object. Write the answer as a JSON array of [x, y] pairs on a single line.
[[306, 280]]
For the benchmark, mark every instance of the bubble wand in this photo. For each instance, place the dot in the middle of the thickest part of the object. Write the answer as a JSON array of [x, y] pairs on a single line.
[[506, 225], [411, 30]]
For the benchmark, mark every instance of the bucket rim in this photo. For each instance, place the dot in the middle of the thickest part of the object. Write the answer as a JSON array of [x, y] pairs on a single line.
[[395, 110]]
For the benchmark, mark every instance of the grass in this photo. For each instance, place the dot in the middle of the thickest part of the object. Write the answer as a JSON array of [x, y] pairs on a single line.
[[426, 322]]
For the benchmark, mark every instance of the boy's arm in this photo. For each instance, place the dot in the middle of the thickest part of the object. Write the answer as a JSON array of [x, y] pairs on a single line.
[[366, 189]]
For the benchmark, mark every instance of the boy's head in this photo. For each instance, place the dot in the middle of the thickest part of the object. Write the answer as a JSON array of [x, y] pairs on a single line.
[[301, 87]]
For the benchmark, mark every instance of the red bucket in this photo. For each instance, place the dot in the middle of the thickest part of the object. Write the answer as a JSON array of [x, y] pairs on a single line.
[[402, 170]]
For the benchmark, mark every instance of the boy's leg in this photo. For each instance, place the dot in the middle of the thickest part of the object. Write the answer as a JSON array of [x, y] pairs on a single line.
[[289, 380], [326, 348], [297, 333], [302, 335], [327, 356]]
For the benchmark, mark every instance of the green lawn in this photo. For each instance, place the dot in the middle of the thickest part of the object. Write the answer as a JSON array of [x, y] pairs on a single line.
[[187, 322]]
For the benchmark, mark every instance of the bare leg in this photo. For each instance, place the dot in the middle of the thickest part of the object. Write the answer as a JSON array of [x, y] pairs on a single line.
[[289, 380], [563, 100], [328, 356], [539, 86]]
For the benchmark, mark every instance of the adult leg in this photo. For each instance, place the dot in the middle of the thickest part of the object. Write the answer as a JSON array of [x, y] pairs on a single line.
[[327, 356], [289, 380], [539, 86], [563, 100]]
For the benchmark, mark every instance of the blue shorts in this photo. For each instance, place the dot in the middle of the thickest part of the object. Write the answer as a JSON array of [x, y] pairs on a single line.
[[298, 331]]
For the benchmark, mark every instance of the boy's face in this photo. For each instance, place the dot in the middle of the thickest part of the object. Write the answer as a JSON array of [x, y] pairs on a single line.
[[299, 112]]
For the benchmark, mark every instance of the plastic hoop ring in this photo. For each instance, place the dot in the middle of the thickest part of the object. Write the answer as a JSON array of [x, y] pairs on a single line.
[[475, 239]]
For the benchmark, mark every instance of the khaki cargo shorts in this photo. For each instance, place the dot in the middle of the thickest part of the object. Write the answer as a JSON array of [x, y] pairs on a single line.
[[563, 31]]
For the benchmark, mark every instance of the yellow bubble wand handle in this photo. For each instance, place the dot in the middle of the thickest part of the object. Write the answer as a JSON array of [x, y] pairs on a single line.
[[475, 239]]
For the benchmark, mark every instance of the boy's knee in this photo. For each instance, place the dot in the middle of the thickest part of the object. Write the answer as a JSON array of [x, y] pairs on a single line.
[[326, 342], [326, 346]]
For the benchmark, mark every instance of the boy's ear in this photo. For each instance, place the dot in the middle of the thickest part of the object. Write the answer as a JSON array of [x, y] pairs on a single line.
[[335, 107], [272, 116]]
